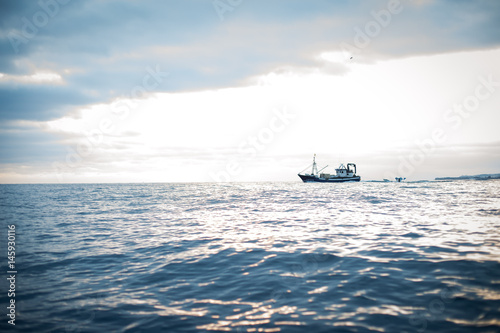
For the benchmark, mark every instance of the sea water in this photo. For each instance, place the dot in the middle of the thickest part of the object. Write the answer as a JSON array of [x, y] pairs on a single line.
[[253, 257]]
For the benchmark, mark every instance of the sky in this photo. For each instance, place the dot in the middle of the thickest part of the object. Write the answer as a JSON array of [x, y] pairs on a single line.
[[240, 90]]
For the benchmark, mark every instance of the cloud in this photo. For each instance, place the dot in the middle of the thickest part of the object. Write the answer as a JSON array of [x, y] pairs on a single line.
[[35, 102], [24, 145], [98, 53], [103, 48]]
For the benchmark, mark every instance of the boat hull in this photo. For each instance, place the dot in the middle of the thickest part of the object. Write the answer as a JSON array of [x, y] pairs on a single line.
[[315, 179]]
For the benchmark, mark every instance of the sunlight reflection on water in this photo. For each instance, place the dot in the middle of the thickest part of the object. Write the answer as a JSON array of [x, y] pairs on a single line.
[[259, 257]]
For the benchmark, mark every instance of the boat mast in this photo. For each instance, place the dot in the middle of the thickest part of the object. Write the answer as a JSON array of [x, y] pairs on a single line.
[[314, 168]]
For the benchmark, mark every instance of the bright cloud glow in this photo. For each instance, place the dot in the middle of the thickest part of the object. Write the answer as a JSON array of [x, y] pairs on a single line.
[[372, 109], [36, 78]]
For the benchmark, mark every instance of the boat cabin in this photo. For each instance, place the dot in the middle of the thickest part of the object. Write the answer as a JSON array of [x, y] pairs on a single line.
[[348, 171]]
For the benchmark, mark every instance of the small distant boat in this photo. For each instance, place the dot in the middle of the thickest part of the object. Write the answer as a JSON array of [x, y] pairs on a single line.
[[400, 179], [343, 174]]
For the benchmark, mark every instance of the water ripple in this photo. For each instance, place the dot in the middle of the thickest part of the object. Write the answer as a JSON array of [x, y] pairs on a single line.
[[280, 257]]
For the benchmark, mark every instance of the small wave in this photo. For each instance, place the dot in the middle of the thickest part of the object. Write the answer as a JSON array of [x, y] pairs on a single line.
[[494, 212], [412, 235]]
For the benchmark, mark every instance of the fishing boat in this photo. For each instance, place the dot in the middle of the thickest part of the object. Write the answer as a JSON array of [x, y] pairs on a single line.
[[343, 174]]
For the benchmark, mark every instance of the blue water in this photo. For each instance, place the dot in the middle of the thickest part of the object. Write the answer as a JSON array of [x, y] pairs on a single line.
[[254, 257]]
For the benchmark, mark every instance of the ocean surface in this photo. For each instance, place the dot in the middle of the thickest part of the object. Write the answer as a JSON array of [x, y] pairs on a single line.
[[253, 257]]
